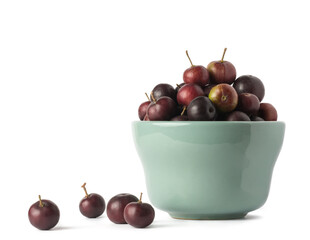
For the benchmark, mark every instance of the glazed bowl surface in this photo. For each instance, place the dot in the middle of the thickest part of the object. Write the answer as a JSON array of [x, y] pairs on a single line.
[[208, 170]]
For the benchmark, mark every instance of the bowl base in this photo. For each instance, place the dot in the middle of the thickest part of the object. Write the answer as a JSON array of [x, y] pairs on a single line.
[[185, 216]]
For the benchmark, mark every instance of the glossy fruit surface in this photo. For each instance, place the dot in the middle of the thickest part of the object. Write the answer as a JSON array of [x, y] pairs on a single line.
[[162, 110], [201, 109], [180, 118], [142, 109], [250, 84], [44, 214], [196, 74], [248, 103], [116, 206], [188, 92], [256, 118], [237, 116], [92, 206], [139, 214], [207, 89], [267, 112], [164, 89], [222, 71], [224, 97]]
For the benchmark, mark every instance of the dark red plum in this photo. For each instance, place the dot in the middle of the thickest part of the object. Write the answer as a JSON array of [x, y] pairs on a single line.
[[116, 206], [237, 116], [196, 74], [92, 205], [180, 118], [142, 109], [164, 90], [248, 103], [188, 92], [256, 119], [207, 89], [267, 112], [201, 109], [162, 110], [139, 214], [250, 84], [222, 71], [224, 97], [43, 214]]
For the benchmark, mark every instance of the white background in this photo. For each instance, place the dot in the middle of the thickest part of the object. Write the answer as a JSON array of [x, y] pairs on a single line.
[[73, 73]]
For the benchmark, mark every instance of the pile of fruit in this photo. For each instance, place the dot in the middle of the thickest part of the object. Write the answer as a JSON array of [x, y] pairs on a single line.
[[121, 209], [209, 94]]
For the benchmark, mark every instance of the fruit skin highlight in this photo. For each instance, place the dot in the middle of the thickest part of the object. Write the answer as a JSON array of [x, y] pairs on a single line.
[[224, 97], [222, 71], [139, 214], [44, 214], [250, 84], [116, 206], [189, 92]]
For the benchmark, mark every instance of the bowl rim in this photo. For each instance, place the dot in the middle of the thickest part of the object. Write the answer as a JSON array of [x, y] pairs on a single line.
[[210, 122]]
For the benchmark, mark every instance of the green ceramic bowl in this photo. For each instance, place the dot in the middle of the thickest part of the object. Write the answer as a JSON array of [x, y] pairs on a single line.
[[208, 170]]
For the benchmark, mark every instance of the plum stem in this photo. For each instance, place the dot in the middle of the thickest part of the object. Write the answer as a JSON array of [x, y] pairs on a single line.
[[152, 96], [189, 58], [183, 111], [147, 97], [140, 200], [178, 85], [83, 186], [41, 203], [222, 60]]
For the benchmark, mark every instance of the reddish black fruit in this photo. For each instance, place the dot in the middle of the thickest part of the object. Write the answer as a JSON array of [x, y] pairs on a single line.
[[256, 118], [201, 109], [92, 205], [248, 103], [207, 89], [180, 118], [250, 84], [162, 109], [116, 206], [164, 90], [138, 214], [44, 214], [237, 116], [142, 109], [267, 112], [196, 74]]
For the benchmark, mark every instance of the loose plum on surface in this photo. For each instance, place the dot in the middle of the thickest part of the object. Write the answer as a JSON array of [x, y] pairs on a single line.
[[224, 97], [201, 109], [188, 92], [222, 71], [196, 74], [116, 206], [250, 84], [248, 103], [43, 214], [237, 116], [162, 109], [267, 112], [92, 205], [139, 214]]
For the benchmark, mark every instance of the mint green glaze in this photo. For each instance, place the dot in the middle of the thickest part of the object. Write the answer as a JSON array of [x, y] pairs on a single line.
[[208, 170]]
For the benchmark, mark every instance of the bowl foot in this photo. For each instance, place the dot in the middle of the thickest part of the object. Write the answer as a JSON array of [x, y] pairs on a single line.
[[185, 216]]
